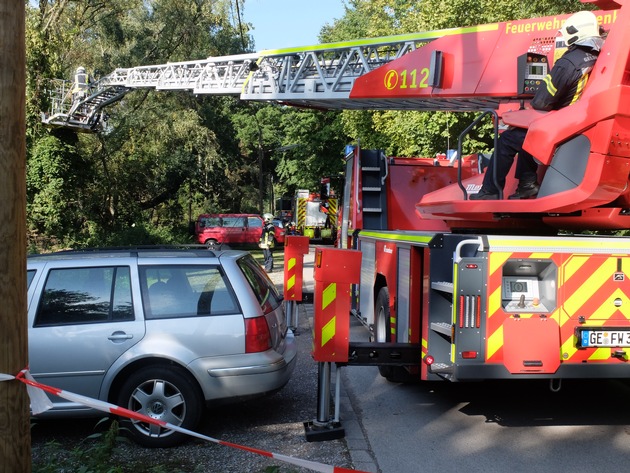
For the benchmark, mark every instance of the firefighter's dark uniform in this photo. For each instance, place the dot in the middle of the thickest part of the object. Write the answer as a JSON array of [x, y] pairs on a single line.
[[267, 246], [562, 86]]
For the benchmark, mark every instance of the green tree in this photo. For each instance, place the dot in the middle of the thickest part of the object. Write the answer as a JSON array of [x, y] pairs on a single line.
[[160, 152]]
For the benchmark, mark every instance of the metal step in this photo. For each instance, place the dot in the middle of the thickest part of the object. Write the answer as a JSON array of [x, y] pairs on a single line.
[[442, 328], [441, 368], [371, 168], [371, 189], [443, 286], [372, 210]]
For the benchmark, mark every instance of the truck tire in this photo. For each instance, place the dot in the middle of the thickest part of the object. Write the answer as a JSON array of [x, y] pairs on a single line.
[[165, 393], [382, 331], [211, 244]]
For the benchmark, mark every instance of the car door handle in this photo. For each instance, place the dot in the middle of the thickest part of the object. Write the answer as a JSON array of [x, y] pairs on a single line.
[[120, 336]]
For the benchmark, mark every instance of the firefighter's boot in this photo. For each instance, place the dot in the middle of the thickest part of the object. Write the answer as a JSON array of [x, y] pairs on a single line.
[[526, 190], [484, 194]]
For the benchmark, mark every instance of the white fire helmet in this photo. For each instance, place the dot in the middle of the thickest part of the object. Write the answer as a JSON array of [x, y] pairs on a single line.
[[267, 218], [579, 26]]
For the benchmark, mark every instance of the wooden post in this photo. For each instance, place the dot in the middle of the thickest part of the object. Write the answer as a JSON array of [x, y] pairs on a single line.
[[15, 438]]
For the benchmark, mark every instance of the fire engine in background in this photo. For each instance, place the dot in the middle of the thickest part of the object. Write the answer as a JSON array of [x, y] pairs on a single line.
[[316, 213], [460, 289]]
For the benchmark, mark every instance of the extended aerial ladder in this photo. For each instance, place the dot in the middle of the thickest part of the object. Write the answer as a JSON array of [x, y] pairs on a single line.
[[319, 76]]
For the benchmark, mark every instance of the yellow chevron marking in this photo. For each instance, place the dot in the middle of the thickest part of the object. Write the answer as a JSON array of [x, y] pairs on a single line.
[[291, 282], [607, 309], [291, 263], [425, 343], [496, 261], [494, 302], [329, 295], [495, 341], [625, 302], [600, 354], [573, 264], [328, 331], [590, 286], [568, 347], [541, 255]]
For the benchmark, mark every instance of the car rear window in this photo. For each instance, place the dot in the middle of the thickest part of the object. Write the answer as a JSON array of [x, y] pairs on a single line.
[[171, 291], [266, 293], [86, 295]]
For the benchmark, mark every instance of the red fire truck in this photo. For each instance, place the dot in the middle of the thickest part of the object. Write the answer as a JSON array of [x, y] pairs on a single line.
[[461, 289]]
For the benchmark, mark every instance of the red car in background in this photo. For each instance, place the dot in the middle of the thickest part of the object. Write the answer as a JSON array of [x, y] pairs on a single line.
[[214, 230]]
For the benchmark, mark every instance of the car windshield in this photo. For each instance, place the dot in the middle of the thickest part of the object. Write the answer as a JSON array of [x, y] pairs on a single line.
[[266, 293]]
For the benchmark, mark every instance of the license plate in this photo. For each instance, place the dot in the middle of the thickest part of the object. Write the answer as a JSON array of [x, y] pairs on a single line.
[[605, 338]]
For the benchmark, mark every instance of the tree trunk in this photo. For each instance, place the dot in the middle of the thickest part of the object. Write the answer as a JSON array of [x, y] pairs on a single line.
[[15, 439]]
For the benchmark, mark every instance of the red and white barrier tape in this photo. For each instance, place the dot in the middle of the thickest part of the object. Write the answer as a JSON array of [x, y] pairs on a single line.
[[25, 377]]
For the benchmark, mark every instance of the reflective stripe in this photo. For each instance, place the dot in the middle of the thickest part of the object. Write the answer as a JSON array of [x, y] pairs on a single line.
[[550, 87], [328, 331], [291, 282], [580, 88], [329, 295]]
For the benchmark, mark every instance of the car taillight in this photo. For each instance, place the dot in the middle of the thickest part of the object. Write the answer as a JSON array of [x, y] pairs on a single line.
[[257, 336]]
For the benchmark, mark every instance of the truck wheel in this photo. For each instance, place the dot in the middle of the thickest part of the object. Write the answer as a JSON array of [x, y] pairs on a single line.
[[382, 331], [163, 393], [211, 244]]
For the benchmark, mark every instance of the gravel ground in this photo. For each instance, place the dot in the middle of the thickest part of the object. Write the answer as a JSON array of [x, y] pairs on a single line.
[[273, 424]]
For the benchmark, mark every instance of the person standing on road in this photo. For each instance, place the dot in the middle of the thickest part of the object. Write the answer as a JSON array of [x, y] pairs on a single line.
[[267, 240]]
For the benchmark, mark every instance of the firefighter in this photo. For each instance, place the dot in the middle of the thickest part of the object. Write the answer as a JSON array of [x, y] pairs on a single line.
[[562, 86], [81, 82], [292, 229], [267, 240]]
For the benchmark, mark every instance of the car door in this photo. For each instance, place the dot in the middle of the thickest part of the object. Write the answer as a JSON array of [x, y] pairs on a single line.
[[235, 229], [254, 229], [81, 319]]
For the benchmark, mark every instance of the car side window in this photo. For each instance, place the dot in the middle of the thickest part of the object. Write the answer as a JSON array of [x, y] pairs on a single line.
[[85, 295], [186, 291], [266, 293], [254, 222], [209, 222], [30, 274], [233, 222]]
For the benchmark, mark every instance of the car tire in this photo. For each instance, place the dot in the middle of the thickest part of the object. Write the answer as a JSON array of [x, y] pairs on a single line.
[[165, 393], [212, 244], [382, 331]]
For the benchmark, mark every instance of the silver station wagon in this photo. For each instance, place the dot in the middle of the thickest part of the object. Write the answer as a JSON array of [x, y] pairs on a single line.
[[159, 331]]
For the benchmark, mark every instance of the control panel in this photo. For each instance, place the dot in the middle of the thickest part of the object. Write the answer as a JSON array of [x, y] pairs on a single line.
[[521, 294], [532, 69]]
